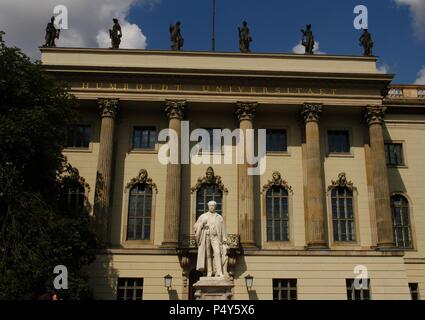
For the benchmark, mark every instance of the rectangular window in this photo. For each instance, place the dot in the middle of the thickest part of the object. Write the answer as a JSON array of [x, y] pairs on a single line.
[[130, 289], [359, 292], [215, 142], [414, 291], [338, 141], [284, 289], [144, 138], [394, 154], [276, 140], [78, 136]]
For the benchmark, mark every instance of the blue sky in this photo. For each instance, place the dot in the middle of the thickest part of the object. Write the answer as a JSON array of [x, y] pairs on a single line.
[[398, 26], [276, 24]]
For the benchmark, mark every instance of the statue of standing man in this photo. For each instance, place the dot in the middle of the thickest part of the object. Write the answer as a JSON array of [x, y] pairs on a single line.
[[308, 39], [245, 38], [51, 34], [177, 40], [367, 43], [211, 238], [115, 34]]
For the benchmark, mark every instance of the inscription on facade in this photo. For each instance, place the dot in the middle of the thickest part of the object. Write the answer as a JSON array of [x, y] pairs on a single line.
[[219, 89]]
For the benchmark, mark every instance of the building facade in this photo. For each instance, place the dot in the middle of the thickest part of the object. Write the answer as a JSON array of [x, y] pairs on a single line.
[[341, 195]]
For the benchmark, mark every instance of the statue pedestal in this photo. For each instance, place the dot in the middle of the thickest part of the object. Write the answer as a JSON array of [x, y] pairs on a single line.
[[213, 288]]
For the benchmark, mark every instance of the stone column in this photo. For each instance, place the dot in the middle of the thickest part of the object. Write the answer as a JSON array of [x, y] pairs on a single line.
[[103, 196], [375, 118], [245, 112], [175, 112], [315, 218]]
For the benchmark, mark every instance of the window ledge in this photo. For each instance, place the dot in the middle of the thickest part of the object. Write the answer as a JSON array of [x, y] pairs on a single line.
[[143, 151], [340, 155], [278, 153], [397, 166], [78, 150]]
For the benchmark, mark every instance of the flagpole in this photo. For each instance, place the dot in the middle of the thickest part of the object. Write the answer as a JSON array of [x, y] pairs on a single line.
[[213, 27]]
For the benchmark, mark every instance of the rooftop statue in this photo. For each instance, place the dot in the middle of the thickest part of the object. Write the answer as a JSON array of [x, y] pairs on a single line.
[[177, 40], [244, 38], [115, 34], [51, 34], [366, 42], [308, 39]]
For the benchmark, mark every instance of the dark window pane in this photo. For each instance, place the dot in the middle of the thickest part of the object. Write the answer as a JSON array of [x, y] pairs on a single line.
[[139, 213], [276, 140], [78, 136], [394, 153], [277, 213], [338, 141], [144, 138]]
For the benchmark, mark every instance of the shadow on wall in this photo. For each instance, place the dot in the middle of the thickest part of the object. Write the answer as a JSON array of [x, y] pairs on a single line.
[[395, 180], [103, 278]]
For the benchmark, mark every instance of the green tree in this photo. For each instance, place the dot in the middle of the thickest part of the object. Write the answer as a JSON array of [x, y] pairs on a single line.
[[38, 229]]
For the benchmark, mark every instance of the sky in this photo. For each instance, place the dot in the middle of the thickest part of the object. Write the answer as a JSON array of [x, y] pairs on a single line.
[[397, 26]]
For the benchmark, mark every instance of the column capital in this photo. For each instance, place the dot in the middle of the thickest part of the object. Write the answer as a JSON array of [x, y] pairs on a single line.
[[311, 112], [175, 109], [108, 107], [375, 114], [246, 110]]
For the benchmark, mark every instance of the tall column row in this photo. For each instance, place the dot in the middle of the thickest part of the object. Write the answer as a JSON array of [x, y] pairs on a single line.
[[315, 215]]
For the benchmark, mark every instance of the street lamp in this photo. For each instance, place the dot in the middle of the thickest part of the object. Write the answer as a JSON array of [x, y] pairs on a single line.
[[167, 281], [249, 281]]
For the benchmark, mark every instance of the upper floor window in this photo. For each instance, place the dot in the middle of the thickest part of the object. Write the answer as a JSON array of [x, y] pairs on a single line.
[[338, 141], [75, 198], [78, 136], [130, 289], [360, 291], [394, 154], [284, 289], [209, 188], [276, 140], [343, 225], [401, 221], [144, 138], [277, 208], [215, 141]]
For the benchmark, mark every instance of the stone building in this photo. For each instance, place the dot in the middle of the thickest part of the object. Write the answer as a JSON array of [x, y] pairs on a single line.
[[342, 194]]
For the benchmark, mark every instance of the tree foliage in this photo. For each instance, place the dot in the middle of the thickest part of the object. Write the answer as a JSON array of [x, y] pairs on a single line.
[[37, 229]]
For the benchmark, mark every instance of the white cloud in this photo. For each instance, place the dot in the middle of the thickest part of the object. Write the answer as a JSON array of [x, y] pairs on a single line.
[[383, 69], [89, 21], [421, 77], [417, 10], [300, 49]]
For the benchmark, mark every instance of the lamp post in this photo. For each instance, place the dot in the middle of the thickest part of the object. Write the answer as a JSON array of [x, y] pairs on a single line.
[[249, 281], [168, 281]]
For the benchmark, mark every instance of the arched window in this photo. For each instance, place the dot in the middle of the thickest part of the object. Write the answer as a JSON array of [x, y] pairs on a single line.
[[343, 224], [401, 221], [277, 208], [140, 207], [205, 194], [76, 198], [209, 188], [74, 193]]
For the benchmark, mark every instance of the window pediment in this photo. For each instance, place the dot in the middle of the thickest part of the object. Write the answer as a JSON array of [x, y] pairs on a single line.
[[277, 181], [341, 182], [142, 178], [209, 178]]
